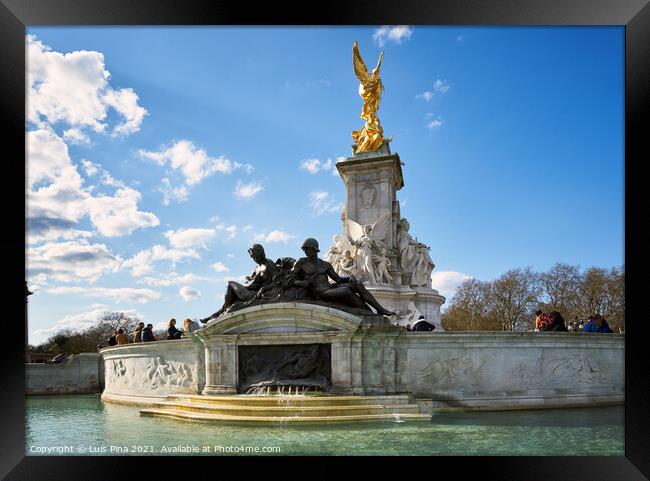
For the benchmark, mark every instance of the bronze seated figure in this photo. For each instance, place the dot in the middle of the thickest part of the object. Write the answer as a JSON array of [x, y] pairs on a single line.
[[305, 280]]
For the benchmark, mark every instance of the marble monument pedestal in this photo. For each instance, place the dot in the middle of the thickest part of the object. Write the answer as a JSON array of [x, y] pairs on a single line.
[[372, 180], [409, 303]]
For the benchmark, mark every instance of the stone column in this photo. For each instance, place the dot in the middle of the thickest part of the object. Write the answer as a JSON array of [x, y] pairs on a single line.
[[221, 367], [341, 367], [371, 374]]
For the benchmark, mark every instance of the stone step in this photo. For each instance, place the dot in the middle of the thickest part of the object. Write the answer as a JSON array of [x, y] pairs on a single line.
[[289, 410], [309, 400], [173, 413]]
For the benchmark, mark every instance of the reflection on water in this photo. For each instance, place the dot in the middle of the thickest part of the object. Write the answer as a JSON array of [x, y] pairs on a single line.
[[85, 420]]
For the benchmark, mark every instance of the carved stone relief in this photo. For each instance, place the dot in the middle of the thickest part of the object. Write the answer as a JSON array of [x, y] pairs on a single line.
[[368, 196], [581, 369], [148, 374], [455, 371]]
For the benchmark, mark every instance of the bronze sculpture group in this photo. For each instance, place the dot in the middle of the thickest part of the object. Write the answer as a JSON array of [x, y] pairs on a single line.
[[306, 280]]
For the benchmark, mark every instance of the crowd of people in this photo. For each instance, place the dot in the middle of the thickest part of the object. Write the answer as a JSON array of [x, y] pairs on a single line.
[[552, 321], [555, 322], [144, 333]]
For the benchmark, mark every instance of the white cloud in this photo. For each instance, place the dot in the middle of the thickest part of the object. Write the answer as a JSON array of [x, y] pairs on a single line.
[[231, 230], [219, 267], [321, 203], [178, 194], [183, 238], [73, 88], [57, 197], [441, 86], [247, 191], [92, 169], [117, 294], [118, 215], [49, 163], [193, 163], [125, 101], [75, 136], [189, 293], [433, 123], [313, 166], [142, 262], [78, 322], [50, 229], [446, 282], [395, 34], [171, 279], [274, 236], [70, 261]]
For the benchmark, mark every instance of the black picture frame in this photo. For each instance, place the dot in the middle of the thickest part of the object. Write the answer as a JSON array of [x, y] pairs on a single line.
[[15, 15]]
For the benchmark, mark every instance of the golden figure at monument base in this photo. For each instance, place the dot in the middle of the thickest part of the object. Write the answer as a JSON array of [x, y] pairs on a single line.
[[371, 136]]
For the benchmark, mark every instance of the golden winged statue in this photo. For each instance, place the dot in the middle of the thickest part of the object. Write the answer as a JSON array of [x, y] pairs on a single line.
[[370, 137]]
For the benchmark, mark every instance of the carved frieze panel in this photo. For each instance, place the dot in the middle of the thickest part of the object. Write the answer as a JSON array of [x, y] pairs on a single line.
[[151, 374]]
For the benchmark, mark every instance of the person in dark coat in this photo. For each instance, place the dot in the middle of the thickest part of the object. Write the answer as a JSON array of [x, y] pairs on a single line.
[[172, 332], [422, 325], [147, 334], [557, 322]]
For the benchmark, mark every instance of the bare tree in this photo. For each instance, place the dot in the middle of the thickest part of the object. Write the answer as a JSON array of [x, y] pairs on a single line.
[[616, 290], [514, 297], [560, 289], [470, 307], [87, 340], [592, 290], [508, 303]]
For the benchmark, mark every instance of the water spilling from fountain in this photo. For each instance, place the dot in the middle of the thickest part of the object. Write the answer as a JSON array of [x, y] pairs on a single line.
[[283, 390]]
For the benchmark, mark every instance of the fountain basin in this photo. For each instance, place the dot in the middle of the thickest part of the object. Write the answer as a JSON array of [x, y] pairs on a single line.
[[442, 371]]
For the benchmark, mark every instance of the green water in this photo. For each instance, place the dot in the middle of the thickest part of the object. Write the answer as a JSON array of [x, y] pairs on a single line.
[[84, 425]]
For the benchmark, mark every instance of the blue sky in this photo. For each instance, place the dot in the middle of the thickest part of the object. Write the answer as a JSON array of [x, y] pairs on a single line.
[[147, 185]]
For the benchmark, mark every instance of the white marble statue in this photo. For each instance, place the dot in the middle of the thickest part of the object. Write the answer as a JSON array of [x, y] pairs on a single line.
[[414, 257], [382, 263], [367, 239], [335, 252], [347, 265]]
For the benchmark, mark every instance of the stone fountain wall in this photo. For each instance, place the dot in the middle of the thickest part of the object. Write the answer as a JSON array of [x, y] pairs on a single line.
[[143, 373], [448, 370]]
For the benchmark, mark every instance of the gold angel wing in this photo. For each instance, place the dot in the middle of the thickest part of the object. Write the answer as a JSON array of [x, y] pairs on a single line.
[[355, 231], [380, 228], [375, 71], [360, 69]]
